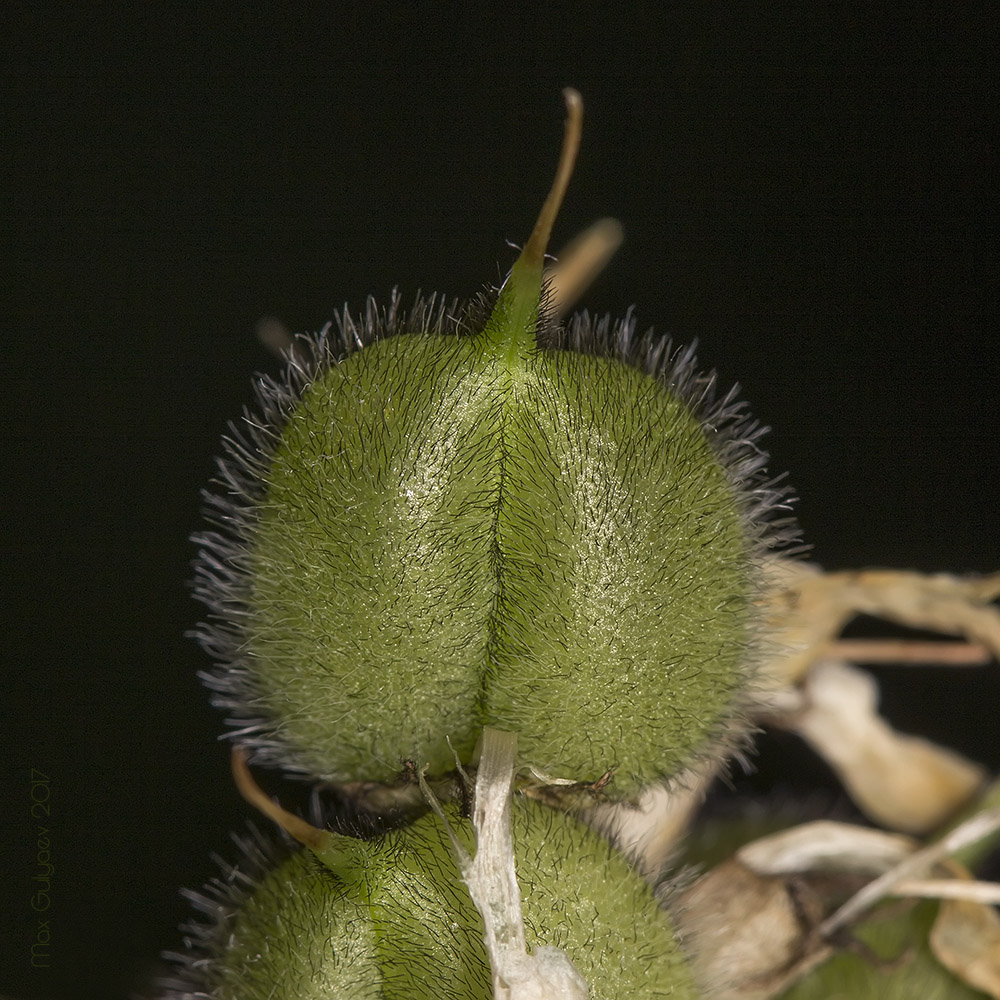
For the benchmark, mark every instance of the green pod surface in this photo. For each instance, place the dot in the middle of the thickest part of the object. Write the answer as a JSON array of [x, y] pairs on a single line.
[[446, 521], [475, 516], [392, 919]]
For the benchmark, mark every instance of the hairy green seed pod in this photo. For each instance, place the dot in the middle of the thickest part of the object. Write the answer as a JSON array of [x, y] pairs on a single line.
[[468, 516], [392, 919]]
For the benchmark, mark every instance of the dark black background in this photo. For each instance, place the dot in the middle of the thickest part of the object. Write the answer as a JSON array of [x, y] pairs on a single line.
[[810, 194]]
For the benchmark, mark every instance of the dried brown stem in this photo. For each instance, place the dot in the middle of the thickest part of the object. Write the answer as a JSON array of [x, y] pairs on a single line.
[[909, 652]]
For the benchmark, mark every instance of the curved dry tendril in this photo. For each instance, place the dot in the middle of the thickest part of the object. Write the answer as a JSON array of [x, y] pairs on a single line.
[[305, 833], [534, 250]]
